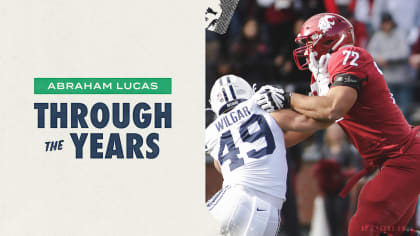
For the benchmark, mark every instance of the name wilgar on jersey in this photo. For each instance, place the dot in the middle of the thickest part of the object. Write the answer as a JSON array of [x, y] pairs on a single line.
[[232, 117], [99, 116]]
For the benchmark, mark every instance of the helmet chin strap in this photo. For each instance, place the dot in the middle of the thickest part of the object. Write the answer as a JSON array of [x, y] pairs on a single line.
[[338, 43]]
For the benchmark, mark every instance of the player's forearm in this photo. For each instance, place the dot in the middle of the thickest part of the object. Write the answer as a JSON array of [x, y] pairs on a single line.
[[289, 120], [292, 138], [317, 107], [302, 123]]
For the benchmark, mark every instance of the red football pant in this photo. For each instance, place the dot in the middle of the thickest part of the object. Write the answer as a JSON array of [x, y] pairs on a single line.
[[387, 202]]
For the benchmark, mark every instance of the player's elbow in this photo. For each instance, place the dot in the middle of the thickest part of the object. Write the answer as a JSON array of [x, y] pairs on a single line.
[[341, 100], [304, 124], [334, 113], [300, 123]]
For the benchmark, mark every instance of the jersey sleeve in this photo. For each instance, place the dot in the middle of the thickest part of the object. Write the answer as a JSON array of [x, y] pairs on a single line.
[[345, 68]]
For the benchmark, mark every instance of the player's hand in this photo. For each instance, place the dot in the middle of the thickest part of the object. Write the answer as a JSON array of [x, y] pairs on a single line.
[[314, 89], [323, 63], [318, 67], [323, 84], [270, 98], [313, 63], [320, 72], [323, 78]]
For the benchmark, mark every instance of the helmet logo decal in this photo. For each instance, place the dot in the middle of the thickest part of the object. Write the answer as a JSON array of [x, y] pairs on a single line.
[[326, 23]]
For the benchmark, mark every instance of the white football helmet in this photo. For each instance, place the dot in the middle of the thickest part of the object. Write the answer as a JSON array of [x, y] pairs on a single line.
[[228, 91]]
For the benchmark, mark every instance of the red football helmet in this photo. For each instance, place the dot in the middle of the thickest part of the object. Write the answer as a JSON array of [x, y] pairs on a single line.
[[322, 33]]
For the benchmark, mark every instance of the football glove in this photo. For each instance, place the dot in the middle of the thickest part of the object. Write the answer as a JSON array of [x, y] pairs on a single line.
[[270, 98], [320, 71]]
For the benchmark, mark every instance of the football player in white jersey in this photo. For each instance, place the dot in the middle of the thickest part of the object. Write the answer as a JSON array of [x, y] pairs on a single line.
[[249, 149]]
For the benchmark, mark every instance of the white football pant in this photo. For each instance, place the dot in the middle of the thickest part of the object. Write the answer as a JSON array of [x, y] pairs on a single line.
[[240, 212]]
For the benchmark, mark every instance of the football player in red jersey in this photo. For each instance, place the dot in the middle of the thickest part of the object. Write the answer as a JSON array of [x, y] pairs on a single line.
[[352, 92]]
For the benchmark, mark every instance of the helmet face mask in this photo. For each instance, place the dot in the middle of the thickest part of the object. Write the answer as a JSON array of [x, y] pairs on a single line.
[[301, 54], [227, 92], [322, 33]]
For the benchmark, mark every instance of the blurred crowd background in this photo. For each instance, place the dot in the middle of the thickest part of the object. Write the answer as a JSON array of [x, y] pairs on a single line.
[[258, 47]]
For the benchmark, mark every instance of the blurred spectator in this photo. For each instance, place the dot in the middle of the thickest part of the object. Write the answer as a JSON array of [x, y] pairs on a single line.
[[278, 4], [340, 162], [283, 67], [363, 10], [249, 9], [414, 61], [415, 55], [251, 54], [337, 147], [405, 13], [285, 71], [289, 212], [331, 179], [308, 8], [279, 17], [390, 50], [342, 5]]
